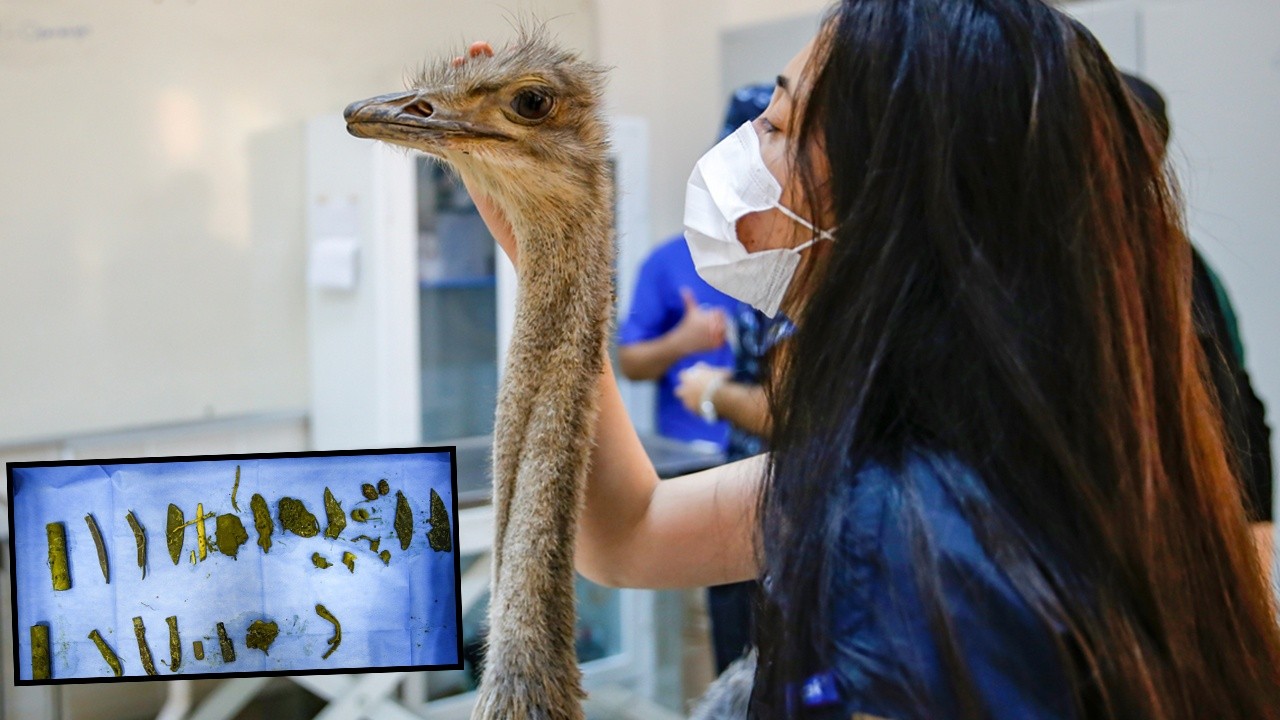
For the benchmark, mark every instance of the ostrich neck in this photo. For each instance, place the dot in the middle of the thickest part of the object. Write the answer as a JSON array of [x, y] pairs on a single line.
[[545, 425]]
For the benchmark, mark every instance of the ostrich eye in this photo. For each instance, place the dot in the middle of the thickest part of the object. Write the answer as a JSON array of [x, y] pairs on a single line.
[[532, 104]]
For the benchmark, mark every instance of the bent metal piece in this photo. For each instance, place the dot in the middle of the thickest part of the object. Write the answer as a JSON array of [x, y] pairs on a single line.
[[336, 640], [175, 644], [144, 652], [140, 538], [107, 653], [97, 543]]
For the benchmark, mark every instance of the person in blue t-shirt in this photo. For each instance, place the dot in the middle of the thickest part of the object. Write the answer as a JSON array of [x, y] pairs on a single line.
[[676, 320]]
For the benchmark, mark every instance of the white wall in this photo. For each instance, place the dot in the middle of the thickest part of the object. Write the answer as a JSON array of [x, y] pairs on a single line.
[[152, 221]]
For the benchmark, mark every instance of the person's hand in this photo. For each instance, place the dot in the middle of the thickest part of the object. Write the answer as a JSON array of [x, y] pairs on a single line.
[[493, 217], [701, 329], [693, 382]]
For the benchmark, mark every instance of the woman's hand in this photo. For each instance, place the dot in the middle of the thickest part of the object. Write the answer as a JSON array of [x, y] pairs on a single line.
[[694, 381], [493, 217]]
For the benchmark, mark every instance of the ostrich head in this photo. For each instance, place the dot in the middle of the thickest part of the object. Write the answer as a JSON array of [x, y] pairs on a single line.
[[521, 124]]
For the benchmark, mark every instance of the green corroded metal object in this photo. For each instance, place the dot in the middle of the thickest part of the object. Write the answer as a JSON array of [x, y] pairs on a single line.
[[297, 519], [230, 534], [57, 534], [144, 652], [336, 640], [175, 532], [369, 491], [224, 642], [234, 488], [260, 635], [40, 666], [404, 520], [349, 559], [262, 521], [140, 539], [319, 561], [175, 643], [383, 487], [107, 653], [197, 648], [97, 543], [386, 557], [360, 515], [440, 537], [337, 518]]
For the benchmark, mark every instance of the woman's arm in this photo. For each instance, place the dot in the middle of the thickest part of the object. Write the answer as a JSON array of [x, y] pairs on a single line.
[[635, 531], [638, 532]]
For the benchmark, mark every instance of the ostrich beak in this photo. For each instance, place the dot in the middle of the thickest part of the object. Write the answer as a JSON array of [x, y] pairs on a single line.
[[412, 118]]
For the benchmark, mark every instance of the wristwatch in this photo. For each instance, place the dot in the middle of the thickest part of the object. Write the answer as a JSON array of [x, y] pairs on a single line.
[[707, 408]]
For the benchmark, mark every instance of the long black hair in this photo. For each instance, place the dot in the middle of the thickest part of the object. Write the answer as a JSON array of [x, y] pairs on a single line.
[[1009, 287]]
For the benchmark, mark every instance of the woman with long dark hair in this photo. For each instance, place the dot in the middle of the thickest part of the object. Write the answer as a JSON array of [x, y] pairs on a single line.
[[998, 485]]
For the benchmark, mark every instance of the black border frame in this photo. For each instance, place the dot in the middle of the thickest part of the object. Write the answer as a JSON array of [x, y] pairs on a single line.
[[13, 561]]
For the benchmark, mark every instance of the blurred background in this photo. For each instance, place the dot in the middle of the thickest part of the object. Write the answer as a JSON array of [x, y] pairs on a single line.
[[195, 258]]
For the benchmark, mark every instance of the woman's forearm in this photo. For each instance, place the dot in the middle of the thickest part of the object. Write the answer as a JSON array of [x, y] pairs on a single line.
[[638, 532]]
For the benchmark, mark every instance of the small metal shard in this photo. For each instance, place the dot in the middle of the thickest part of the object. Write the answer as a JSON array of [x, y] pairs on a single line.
[[102, 549], [202, 543], [383, 487], [262, 521], [360, 515], [40, 665], [336, 640], [175, 644], [337, 518], [140, 538], [107, 653], [234, 488], [140, 631], [297, 519], [228, 650], [57, 535], [260, 635], [440, 537], [404, 520], [373, 542], [319, 561], [197, 648], [349, 560], [230, 534], [175, 532], [369, 491], [386, 557]]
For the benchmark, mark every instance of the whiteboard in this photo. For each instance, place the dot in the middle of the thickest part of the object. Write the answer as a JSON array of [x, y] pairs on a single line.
[[151, 170]]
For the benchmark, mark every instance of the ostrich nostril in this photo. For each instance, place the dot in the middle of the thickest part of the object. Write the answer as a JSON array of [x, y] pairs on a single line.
[[420, 108]]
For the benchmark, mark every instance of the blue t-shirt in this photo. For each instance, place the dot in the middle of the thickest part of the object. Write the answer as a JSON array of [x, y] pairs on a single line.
[[656, 308], [881, 629]]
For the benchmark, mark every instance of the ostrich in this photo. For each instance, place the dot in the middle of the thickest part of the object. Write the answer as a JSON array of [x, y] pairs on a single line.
[[524, 127]]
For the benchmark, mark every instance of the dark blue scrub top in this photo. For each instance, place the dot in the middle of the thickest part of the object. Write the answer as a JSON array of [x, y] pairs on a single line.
[[880, 625]]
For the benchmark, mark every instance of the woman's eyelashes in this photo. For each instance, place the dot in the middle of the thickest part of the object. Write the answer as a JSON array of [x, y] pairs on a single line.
[[767, 126]]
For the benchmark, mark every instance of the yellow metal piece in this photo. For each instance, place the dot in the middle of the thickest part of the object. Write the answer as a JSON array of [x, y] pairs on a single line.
[[57, 533], [40, 652], [202, 544]]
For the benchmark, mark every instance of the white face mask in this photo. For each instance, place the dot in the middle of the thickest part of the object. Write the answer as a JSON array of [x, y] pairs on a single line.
[[731, 181]]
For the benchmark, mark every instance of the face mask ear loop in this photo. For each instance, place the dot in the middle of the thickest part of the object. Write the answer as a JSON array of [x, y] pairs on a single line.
[[822, 234]]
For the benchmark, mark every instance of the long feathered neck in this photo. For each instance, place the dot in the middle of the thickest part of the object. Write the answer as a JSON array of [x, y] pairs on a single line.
[[545, 423]]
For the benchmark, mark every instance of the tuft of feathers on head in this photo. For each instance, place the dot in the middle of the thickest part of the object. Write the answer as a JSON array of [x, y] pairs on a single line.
[[533, 51]]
